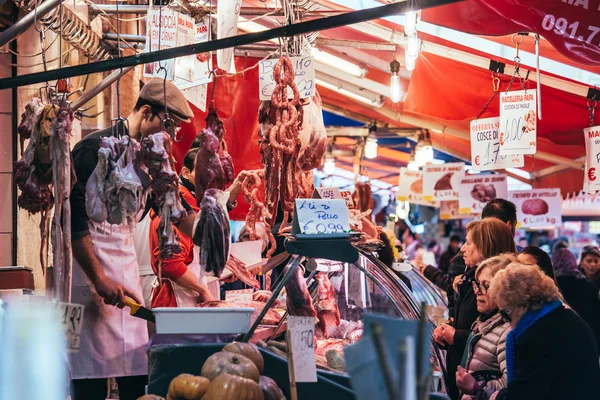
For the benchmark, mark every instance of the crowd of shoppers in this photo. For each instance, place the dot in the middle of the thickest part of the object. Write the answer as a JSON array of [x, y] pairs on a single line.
[[522, 324]]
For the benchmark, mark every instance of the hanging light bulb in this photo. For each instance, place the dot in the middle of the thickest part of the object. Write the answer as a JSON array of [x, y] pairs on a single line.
[[412, 46], [395, 87], [410, 24], [329, 165], [423, 149], [410, 63], [371, 147], [412, 163]]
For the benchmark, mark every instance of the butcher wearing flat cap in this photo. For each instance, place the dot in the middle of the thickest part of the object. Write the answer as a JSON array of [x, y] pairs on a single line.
[[106, 269]]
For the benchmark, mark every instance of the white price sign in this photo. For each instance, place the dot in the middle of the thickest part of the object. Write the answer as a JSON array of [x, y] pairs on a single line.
[[228, 14], [239, 296], [71, 319], [201, 64], [316, 216], [410, 188], [591, 177], [450, 210], [302, 338], [329, 193], [518, 122], [476, 191], [485, 147], [161, 33], [304, 70], [537, 208], [184, 66], [440, 182]]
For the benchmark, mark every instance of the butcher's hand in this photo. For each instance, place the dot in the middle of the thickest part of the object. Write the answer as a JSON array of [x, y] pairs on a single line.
[[113, 293]]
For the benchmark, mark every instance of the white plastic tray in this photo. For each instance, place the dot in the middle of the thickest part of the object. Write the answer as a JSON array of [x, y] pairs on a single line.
[[202, 320]]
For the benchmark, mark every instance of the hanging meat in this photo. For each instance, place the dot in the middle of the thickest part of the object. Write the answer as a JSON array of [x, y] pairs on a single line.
[[157, 156], [280, 142], [214, 167], [238, 268], [36, 195], [212, 233], [363, 197], [63, 181], [361, 222], [306, 185], [298, 300], [328, 311], [313, 136], [29, 119], [253, 190]]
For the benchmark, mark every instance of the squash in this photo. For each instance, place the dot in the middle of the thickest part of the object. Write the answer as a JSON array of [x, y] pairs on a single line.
[[270, 389], [187, 387], [151, 397], [231, 387], [248, 350], [225, 362]]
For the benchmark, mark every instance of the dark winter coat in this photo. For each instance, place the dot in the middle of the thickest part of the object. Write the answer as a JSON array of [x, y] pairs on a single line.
[[555, 359], [582, 296]]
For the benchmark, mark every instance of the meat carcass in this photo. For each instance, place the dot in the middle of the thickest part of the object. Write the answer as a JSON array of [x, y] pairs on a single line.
[[272, 317], [33, 110], [63, 180], [312, 136], [298, 300], [212, 232], [363, 197], [327, 304], [253, 190], [306, 185], [214, 167], [361, 222], [238, 268]]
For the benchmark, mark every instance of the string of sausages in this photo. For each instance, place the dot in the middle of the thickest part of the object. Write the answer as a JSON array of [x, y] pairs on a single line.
[[284, 140], [251, 187]]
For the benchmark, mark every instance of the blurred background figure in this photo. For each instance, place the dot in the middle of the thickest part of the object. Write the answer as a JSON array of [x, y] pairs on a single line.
[[533, 255], [411, 244], [451, 251], [590, 264]]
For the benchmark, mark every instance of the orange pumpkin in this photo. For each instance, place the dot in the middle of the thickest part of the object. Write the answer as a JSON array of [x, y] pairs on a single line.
[[225, 362], [187, 387], [270, 389], [231, 387], [247, 350]]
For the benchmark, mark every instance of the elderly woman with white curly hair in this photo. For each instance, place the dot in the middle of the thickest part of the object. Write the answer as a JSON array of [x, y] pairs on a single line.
[[550, 352]]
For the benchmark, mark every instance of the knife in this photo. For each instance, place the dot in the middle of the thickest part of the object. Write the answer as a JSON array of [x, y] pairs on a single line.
[[137, 310]]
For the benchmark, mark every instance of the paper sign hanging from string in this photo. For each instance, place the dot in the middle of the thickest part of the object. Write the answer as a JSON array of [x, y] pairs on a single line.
[[485, 147], [591, 182], [537, 208], [518, 122], [304, 70], [228, 14]]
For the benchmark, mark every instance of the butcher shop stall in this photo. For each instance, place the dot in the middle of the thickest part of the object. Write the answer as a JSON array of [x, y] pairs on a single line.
[[239, 176]]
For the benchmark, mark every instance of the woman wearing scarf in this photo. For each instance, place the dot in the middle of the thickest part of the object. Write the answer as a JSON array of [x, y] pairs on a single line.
[[551, 353], [579, 293], [483, 370]]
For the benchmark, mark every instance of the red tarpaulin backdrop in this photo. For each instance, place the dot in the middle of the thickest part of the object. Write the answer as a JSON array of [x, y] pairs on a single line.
[[572, 26], [236, 100]]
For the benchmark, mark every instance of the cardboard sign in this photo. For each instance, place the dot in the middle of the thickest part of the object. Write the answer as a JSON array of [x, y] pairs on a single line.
[[485, 147], [317, 216], [228, 14], [71, 318], [591, 177], [197, 95], [304, 70], [202, 62], [239, 296], [410, 188], [247, 252], [518, 122], [441, 182], [161, 33], [328, 193], [302, 338], [537, 208], [450, 210], [476, 191], [347, 196], [184, 66]]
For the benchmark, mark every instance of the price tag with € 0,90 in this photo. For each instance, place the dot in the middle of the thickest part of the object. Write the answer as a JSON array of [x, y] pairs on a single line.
[[71, 318], [302, 337]]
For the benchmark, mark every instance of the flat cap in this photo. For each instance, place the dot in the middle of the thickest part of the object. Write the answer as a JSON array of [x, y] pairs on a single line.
[[154, 92]]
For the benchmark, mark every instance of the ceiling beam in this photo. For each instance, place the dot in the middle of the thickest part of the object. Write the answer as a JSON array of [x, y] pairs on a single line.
[[555, 169]]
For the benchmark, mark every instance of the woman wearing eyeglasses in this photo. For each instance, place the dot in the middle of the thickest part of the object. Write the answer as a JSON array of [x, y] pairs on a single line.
[[486, 238], [483, 370], [551, 352]]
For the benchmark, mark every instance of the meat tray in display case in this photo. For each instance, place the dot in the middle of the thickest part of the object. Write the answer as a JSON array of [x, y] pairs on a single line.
[[338, 293]]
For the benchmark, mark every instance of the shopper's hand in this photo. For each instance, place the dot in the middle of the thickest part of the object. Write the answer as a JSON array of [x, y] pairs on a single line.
[[464, 381], [420, 264], [438, 336], [113, 293], [448, 333]]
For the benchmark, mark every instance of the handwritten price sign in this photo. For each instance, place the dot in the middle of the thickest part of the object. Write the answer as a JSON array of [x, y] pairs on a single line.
[[591, 182], [322, 216], [329, 193], [485, 147], [518, 122], [304, 69], [302, 337], [71, 318]]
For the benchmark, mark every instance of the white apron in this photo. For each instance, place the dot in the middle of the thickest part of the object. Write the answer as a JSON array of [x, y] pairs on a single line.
[[186, 297], [113, 343]]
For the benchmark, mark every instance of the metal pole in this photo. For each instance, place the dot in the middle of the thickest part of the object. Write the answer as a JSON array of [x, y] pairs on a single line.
[[314, 25], [27, 21], [245, 11], [125, 36], [93, 92]]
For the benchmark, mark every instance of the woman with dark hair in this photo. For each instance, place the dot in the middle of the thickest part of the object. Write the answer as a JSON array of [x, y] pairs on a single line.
[[590, 264], [386, 256], [579, 293], [533, 255]]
